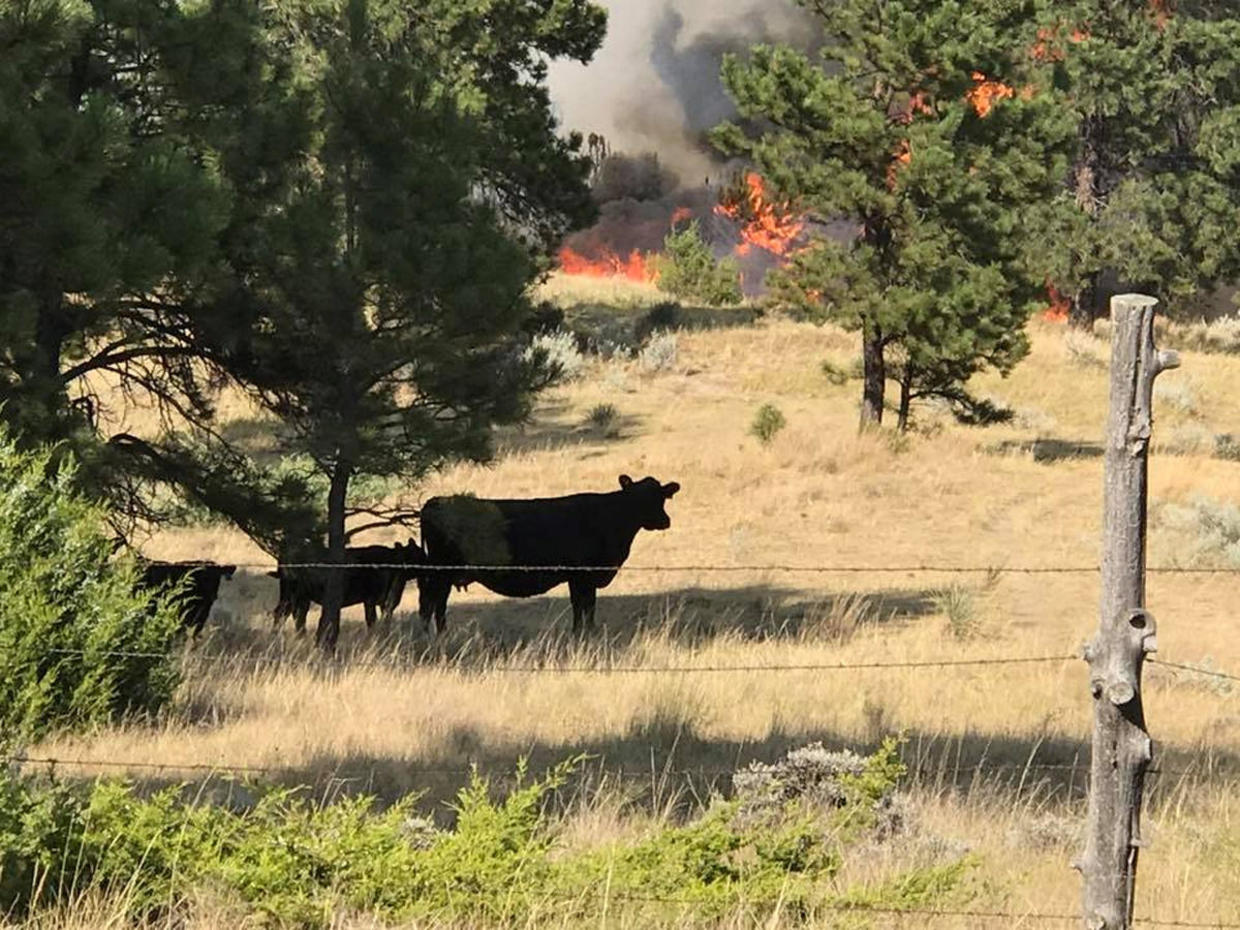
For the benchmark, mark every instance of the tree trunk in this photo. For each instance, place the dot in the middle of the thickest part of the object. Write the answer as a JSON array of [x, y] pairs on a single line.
[[1087, 183], [1085, 304], [1121, 745], [906, 397], [40, 399], [875, 375], [333, 591]]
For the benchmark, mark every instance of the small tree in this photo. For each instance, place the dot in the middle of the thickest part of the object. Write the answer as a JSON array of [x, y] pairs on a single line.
[[898, 130], [688, 269], [79, 646], [388, 290]]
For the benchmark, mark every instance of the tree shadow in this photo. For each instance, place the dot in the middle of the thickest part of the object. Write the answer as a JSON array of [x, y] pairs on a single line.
[[600, 327], [661, 764], [550, 429], [1047, 451], [538, 629], [687, 616]]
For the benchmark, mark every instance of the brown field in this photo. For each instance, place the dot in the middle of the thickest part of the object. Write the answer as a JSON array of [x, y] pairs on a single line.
[[982, 739]]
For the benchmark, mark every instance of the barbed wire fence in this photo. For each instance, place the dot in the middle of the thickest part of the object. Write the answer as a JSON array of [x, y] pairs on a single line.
[[492, 666]]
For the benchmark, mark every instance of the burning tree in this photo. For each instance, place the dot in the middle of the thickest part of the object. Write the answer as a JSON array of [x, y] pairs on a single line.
[[918, 135], [1150, 199]]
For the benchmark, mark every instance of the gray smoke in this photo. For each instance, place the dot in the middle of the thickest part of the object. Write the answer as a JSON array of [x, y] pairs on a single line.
[[654, 85]]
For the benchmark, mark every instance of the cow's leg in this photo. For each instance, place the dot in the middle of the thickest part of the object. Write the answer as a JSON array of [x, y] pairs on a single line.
[[370, 609], [433, 603], [198, 619], [583, 596], [300, 610]]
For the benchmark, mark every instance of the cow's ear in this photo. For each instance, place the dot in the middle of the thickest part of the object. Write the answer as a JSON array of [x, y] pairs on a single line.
[[626, 482], [670, 489]]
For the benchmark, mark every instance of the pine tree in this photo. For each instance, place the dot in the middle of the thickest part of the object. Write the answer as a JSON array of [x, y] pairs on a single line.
[[929, 126], [1153, 88], [388, 287], [103, 201]]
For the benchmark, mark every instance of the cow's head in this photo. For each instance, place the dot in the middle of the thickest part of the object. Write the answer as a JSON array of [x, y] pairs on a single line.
[[646, 499], [284, 600], [411, 554]]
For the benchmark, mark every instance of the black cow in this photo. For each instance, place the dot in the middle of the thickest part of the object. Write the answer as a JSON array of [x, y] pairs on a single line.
[[594, 530], [199, 592], [379, 590]]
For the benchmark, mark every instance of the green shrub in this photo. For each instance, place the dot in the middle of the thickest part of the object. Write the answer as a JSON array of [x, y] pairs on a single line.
[[79, 647], [291, 862], [767, 422], [689, 270]]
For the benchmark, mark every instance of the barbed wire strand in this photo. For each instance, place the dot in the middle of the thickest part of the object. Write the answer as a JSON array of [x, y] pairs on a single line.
[[1195, 670], [590, 669], [283, 661], [778, 567]]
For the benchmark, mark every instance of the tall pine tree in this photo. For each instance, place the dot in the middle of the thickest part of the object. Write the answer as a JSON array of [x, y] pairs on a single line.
[[104, 202], [1153, 88], [927, 125], [388, 285]]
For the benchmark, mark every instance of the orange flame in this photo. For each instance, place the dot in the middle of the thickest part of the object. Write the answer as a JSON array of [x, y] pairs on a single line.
[[681, 214], [607, 265], [1060, 305], [985, 93], [766, 225]]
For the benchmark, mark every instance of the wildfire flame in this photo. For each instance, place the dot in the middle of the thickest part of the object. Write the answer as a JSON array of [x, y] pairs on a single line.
[[766, 225], [607, 265], [1060, 304], [985, 93]]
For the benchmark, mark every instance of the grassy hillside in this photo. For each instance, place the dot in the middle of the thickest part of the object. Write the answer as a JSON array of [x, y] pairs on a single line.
[[997, 752]]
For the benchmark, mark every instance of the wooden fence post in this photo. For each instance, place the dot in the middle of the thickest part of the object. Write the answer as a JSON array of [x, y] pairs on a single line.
[[1121, 745]]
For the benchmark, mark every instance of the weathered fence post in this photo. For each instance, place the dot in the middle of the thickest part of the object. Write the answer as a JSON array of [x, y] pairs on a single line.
[[1121, 746]]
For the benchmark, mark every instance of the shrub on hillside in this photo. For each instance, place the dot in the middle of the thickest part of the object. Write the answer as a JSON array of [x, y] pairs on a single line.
[[561, 353], [291, 861], [79, 647], [767, 422], [660, 353], [689, 270], [1220, 336]]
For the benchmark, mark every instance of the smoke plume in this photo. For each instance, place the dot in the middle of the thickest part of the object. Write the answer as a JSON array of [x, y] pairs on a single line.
[[654, 85]]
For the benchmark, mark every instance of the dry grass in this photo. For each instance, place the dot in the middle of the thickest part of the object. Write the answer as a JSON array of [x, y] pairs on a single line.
[[1026, 494]]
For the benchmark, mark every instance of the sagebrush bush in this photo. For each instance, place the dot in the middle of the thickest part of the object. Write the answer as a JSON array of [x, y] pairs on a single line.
[[560, 352], [1213, 524], [660, 353], [688, 269], [1180, 396], [79, 646], [1220, 336]]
